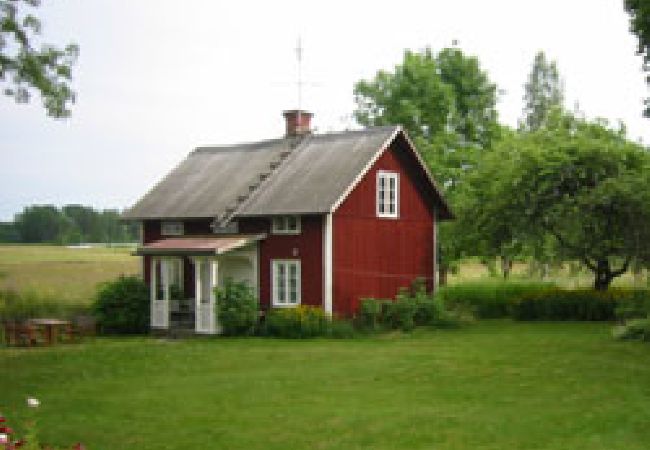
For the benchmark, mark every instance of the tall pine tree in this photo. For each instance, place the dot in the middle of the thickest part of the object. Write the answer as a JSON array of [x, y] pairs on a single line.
[[543, 93]]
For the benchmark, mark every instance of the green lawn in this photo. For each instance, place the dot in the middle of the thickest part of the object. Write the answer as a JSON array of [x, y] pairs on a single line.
[[492, 385], [60, 273]]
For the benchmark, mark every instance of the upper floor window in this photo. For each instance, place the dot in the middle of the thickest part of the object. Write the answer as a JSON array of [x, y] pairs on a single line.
[[387, 194], [171, 228], [231, 227], [286, 225]]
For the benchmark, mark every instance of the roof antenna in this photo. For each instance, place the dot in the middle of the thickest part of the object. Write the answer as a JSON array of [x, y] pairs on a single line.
[[299, 50]]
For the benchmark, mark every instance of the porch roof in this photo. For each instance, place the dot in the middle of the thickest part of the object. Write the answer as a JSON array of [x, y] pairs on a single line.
[[198, 245]]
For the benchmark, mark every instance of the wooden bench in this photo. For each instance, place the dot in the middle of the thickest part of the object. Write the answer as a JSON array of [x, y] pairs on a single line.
[[22, 334]]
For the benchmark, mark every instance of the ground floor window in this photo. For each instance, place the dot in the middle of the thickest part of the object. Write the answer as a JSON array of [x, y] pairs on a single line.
[[286, 282]]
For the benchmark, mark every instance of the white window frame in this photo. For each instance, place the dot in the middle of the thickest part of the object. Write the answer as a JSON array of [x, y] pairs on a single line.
[[285, 287], [281, 225], [383, 194], [171, 228]]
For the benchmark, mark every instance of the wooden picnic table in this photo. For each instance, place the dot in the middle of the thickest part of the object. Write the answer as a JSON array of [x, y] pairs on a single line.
[[51, 328]]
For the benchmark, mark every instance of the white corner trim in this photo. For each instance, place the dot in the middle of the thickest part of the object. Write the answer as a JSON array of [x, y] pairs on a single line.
[[366, 169], [327, 264], [435, 252]]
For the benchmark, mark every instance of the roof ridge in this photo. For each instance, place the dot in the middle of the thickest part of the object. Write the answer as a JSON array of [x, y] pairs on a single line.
[[263, 178], [254, 144], [237, 146]]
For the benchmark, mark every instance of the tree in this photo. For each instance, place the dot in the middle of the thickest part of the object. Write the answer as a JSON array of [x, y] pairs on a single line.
[[543, 93], [448, 106], [87, 222], [445, 102], [579, 182], [41, 223], [48, 70], [639, 11]]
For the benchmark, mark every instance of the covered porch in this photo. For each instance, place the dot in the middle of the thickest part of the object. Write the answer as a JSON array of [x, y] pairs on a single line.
[[183, 273]]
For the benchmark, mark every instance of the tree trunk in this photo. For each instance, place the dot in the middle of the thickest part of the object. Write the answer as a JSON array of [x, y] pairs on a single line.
[[603, 275], [442, 275], [506, 266]]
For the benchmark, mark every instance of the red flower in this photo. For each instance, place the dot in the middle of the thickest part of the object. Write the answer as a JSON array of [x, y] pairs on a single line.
[[19, 443], [6, 430], [2, 419], [78, 446]]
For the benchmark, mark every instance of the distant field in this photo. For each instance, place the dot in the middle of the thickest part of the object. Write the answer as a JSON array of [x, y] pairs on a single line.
[[61, 273], [564, 276], [71, 274]]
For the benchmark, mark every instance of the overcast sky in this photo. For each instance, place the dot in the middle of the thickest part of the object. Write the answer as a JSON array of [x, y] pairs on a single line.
[[157, 78]]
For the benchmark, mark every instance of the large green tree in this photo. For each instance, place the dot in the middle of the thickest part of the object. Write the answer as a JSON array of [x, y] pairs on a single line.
[[71, 224], [543, 92], [42, 223], [580, 183], [24, 67], [447, 104], [639, 11]]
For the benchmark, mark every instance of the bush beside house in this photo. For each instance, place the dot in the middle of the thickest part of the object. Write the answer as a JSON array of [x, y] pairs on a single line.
[[122, 306], [237, 307]]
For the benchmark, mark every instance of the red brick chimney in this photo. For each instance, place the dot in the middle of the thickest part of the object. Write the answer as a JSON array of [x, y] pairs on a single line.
[[298, 122]]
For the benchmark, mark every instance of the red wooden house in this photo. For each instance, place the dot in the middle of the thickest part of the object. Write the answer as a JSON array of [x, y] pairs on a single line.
[[312, 219]]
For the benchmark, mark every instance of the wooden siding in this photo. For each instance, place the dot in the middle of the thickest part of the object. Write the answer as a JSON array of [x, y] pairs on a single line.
[[308, 248], [307, 245], [374, 257], [151, 230]]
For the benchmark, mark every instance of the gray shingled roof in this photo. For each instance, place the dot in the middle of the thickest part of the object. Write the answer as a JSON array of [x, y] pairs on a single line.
[[318, 173], [281, 176], [208, 181]]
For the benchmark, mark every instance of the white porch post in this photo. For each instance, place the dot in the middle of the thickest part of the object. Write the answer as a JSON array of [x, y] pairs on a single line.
[[152, 291], [214, 282], [159, 306], [197, 293], [206, 277]]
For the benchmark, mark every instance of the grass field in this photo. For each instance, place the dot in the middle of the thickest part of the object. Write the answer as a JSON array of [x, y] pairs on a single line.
[[472, 269], [492, 385], [61, 273]]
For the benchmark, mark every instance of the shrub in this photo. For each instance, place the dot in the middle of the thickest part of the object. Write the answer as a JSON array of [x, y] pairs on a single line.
[[411, 307], [122, 306], [633, 329], [559, 304], [369, 317], [487, 299], [340, 329], [18, 307], [237, 308], [400, 314], [634, 305], [304, 322]]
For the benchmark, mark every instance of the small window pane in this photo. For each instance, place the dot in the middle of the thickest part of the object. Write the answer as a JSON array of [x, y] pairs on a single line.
[[278, 224], [159, 279], [293, 283], [292, 223], [280, 283], [171, 228]]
